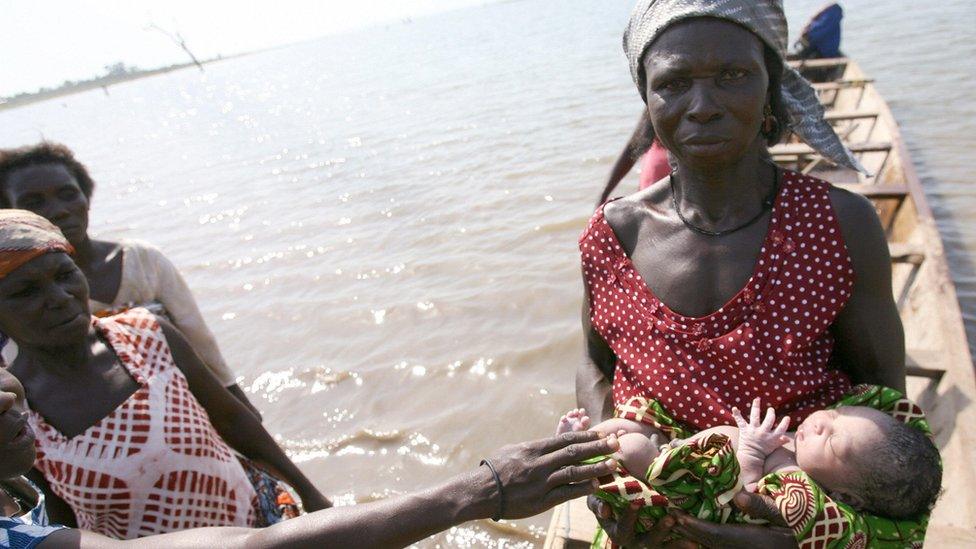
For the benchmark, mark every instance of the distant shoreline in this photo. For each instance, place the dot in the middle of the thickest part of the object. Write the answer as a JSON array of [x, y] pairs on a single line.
[[101, 82]]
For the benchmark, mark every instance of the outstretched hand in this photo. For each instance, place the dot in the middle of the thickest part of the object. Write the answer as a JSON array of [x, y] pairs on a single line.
[[539, 475]]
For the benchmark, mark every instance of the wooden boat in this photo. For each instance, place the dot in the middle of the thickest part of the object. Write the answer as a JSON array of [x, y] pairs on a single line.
[[939, 364]]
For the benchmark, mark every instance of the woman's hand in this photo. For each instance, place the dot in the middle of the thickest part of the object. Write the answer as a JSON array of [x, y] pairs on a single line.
[[621, 530], [739, 536], [539, 475]]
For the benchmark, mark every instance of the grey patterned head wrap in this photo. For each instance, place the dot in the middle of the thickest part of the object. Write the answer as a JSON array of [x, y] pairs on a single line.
[[765, 18]]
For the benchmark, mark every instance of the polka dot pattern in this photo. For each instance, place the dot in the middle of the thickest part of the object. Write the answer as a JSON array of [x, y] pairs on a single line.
[[770, 340]]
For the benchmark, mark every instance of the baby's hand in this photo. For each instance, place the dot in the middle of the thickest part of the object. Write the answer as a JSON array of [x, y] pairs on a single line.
[[760, 438]]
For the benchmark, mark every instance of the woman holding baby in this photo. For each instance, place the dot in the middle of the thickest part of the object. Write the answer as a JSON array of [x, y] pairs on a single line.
[[730, 279]]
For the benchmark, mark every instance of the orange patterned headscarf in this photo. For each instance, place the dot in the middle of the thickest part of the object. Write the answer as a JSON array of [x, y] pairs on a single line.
[[24, 236]]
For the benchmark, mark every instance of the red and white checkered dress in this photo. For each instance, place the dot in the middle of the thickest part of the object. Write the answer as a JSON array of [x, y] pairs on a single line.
[[155, 464]]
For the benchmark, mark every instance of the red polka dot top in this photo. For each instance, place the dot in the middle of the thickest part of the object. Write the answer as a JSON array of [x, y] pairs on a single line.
[[770, 340]]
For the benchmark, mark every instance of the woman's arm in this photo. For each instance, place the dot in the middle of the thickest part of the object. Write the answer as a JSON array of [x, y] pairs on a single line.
[[869, 337], [235, 423], [595, 372], [739, 536], [639, 142], [172, 291], [174, 294], [535, 476]]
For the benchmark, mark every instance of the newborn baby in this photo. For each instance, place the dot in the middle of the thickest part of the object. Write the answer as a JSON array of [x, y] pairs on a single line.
[[858, 455]]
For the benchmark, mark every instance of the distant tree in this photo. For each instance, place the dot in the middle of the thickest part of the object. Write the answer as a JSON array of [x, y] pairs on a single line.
[[177, 39], [116, 69]]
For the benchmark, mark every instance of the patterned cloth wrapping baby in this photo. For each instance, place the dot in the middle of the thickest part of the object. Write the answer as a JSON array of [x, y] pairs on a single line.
[[702, 476]]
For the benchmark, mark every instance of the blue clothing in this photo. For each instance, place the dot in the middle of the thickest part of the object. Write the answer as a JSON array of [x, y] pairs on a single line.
[[28, 530], [823, 32]]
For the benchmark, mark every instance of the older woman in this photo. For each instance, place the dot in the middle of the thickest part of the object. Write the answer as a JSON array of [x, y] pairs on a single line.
[[730, 278], [135, 436], [47, 180]]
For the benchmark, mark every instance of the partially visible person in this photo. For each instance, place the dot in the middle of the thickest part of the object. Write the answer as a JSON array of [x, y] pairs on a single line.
[[47, 180], [642, 145], [518, 481], [135, 436], [821, 37]]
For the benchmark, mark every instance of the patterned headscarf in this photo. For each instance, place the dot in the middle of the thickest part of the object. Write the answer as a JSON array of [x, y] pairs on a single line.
[[765, 18], [24, 236]]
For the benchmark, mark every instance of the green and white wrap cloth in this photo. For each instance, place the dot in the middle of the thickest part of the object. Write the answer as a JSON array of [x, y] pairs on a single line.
[[702, 476]]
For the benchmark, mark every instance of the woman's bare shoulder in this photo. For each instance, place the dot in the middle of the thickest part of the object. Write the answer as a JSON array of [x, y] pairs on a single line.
[[625, 214], [853, 210], [861, 228]]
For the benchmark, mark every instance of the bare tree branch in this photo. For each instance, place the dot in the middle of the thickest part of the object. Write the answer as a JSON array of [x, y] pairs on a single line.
[[177, 39]]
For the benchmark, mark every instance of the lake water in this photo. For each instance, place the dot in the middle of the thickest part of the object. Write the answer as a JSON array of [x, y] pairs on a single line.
[[380, 227]]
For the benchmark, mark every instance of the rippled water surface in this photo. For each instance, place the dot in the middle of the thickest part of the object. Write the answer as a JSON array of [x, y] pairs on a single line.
[[381, 226]]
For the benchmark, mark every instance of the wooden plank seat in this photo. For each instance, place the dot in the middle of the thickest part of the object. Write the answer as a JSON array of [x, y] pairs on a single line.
[[840, 116], [876, 191], [919, 363], [802, 149], [824, 63], [841, 84], [904, 252], [934, 374], [801, 154]]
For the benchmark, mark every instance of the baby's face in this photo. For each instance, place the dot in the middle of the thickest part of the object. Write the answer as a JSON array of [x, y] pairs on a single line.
[[831, 444]]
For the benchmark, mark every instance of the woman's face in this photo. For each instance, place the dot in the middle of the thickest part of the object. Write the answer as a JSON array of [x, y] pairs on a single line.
[[44, 302], [16, 437], [50, 191], [706, 89]]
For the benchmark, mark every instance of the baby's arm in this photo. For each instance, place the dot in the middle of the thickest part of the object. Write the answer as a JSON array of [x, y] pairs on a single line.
[[616, 425], [757, 441], [639, 442]]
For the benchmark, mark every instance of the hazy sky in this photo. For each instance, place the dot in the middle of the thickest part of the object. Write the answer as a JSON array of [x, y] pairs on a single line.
[[44, 42]]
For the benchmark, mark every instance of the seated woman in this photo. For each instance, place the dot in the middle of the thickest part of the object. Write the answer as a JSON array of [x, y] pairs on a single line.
[[47, 180], [135, 436], [520, 480], [821, 37], [730, 279]]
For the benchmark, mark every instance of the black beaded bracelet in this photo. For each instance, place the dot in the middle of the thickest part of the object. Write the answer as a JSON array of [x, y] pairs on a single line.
[[501, 491]]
